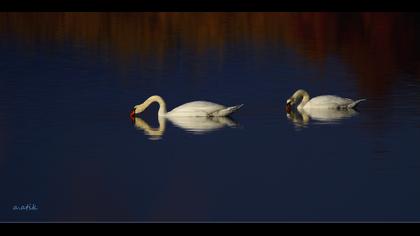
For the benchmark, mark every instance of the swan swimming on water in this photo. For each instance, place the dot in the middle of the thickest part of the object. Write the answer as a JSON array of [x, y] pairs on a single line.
[[320, 102], [196, 108]]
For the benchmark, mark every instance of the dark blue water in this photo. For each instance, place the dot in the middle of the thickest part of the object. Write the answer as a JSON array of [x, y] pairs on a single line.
[[68, 146]]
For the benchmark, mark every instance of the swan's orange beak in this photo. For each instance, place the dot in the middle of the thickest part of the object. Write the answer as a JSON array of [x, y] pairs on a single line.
[[132, 114]]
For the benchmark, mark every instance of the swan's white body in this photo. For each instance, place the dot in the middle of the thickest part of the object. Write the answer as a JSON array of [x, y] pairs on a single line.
[[200, 108], [321, 102], [194, 109]]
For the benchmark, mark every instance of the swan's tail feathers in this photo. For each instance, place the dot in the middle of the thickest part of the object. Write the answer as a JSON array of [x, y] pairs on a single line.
[[355, 103], [227, 111]]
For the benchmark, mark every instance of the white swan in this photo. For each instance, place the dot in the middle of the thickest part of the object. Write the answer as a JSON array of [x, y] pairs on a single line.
[[196, 108], [320, 102]]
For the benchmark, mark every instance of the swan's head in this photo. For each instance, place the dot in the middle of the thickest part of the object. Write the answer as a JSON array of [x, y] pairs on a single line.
[[300, 93], [136, 110], [293, 99], [289, 103]]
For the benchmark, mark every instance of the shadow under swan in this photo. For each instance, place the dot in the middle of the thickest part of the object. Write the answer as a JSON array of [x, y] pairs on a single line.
[[194, 125], [301, 118]]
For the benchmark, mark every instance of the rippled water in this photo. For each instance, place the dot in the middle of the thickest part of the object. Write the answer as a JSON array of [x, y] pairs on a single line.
[[67, 145]]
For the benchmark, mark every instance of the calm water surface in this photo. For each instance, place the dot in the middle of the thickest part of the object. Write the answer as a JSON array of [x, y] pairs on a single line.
[[69, 80]]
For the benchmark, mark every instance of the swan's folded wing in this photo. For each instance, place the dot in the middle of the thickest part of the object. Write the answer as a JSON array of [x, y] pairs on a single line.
[[328, 101], [226, 111], [197, 108]]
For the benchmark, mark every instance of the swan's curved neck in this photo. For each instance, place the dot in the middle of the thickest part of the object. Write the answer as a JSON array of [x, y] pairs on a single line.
[[158, 99], [305, 97]]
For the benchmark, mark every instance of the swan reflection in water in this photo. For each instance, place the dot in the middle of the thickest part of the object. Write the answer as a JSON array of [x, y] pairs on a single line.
[[194, 125], [302, 117]]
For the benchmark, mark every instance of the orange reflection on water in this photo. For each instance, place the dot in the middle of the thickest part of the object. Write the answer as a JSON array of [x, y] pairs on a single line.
[[376, 46]]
